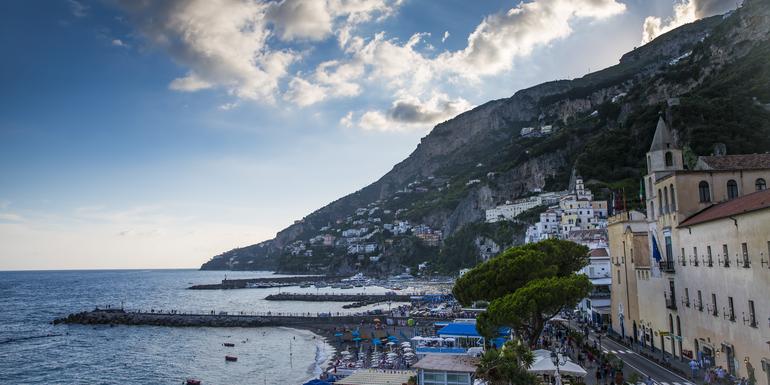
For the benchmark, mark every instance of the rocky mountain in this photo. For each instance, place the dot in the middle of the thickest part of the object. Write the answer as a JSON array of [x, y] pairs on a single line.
[[711, 77]]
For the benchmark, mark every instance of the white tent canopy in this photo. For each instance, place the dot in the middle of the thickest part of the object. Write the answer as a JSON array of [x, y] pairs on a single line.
[[545, 366]]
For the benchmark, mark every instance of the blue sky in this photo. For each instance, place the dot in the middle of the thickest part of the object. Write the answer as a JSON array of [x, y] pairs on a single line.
[[157, 134]]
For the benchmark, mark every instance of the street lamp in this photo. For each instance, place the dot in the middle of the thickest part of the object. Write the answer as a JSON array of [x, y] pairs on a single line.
[[558, 359]]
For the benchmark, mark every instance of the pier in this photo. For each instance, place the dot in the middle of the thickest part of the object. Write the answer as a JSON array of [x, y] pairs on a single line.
[[309, 321], [266, 282], [369, 298]]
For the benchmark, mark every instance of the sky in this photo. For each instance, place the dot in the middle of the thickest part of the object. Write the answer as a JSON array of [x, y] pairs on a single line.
[[157, 134]]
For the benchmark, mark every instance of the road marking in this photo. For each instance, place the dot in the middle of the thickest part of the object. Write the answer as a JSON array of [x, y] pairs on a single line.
[[676, 383], [630, 351], [663, 383]]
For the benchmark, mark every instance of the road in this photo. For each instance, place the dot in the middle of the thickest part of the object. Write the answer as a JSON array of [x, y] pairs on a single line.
[[643, 366]]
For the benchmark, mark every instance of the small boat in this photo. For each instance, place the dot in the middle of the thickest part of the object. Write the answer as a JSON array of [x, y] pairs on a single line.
[[231, 358], [192, 381], [229, 344]]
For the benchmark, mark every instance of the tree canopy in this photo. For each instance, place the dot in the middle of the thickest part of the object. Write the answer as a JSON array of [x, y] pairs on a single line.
[[515, 267], [525, 286], [507, 365]]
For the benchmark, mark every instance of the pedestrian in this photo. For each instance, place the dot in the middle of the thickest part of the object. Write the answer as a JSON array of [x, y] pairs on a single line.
[[598, 375], [694, 368], [649, 381]]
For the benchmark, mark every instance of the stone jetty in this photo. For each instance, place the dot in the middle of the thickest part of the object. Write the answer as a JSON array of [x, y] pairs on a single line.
[[370, 298], [213, 319], [266, 282]]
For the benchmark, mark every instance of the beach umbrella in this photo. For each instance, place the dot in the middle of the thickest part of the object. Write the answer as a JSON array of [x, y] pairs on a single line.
[[391, 343]]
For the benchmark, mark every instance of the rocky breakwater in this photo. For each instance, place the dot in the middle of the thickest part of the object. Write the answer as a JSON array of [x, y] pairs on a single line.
[[121, 317]]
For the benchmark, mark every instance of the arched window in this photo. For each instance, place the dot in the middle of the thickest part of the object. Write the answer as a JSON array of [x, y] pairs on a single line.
[[732, 189], [673, 199], [665, 198], [660, 203], [671, 324], [669, 159], [678, 326], [760, 184], [704, 192]]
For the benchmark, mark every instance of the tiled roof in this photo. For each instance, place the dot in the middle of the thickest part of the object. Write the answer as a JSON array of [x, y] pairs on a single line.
[[448, 363], [600, 252], [735, 162], [747, 203]]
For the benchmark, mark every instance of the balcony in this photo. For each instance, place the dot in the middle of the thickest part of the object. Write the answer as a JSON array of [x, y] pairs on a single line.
[[699, 306], [667, 266], [745, 262], [670, 301]]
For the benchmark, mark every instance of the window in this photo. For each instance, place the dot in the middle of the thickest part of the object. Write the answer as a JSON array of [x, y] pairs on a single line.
[[704, 192], [752, 314], [673, 199], [665, 198], [700, 301], [686, 297], [660, 203], [726, 261], [457, 379], [760, 184], [618, 277], [710, 260], [745, 252], [695, 256], [731, 308], [714, 309], [669, 159], [669, 249], [732, 189]]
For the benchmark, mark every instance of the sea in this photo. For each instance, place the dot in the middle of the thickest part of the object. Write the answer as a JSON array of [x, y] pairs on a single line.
[[33, 351]]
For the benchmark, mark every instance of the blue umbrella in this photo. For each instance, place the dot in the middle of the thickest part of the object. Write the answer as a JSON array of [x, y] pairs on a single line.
[[316, 382]]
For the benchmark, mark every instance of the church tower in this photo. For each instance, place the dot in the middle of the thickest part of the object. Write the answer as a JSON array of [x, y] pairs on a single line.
[[664, 155], [664, 158]]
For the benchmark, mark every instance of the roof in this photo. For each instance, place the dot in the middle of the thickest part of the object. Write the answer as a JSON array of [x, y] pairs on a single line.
[[663, 139], [448, 363], [741, 205], [734, 162], [377, 377], [459, 329], [600, 252]]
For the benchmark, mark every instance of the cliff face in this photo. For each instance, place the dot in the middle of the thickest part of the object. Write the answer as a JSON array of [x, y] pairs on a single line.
[[590, 116]]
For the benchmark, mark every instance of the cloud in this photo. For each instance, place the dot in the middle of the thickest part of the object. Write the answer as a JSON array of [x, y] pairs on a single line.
[[347, 120], [501, 37], [412, 113], [446, 36], [300, 19], [231, 44], [685, 11], [11, 217], [118, 43], [77, 8]]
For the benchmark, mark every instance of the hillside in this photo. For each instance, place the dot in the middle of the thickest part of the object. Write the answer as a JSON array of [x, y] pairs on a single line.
[[711, 77]]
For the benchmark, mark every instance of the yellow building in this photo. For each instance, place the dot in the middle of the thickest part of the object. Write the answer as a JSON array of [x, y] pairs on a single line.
[[693, 253]]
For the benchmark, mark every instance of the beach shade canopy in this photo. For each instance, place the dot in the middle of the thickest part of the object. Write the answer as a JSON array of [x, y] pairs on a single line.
[[459, 329], [558, 319], [376, 342], [338, 334], [544, 365], [541, 353], [417, 338], [377, 320], [391, 343], [357, 339], [393, 338]]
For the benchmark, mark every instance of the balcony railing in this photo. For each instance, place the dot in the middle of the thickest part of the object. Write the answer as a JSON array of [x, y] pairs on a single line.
[[667, 266], [694, 261], [745, 262], [670, 301], [699, 306]]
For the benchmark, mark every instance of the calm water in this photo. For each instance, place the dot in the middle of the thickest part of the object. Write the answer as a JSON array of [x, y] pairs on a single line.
[[146, 354]]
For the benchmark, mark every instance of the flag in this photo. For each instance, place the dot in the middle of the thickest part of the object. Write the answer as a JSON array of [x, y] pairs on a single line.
[[655, 250]]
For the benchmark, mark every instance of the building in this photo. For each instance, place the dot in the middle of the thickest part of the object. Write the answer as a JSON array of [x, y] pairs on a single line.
[[435, 369], [705, 292], [509, 210], [596, 307], [377, 377], [576, 210]]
